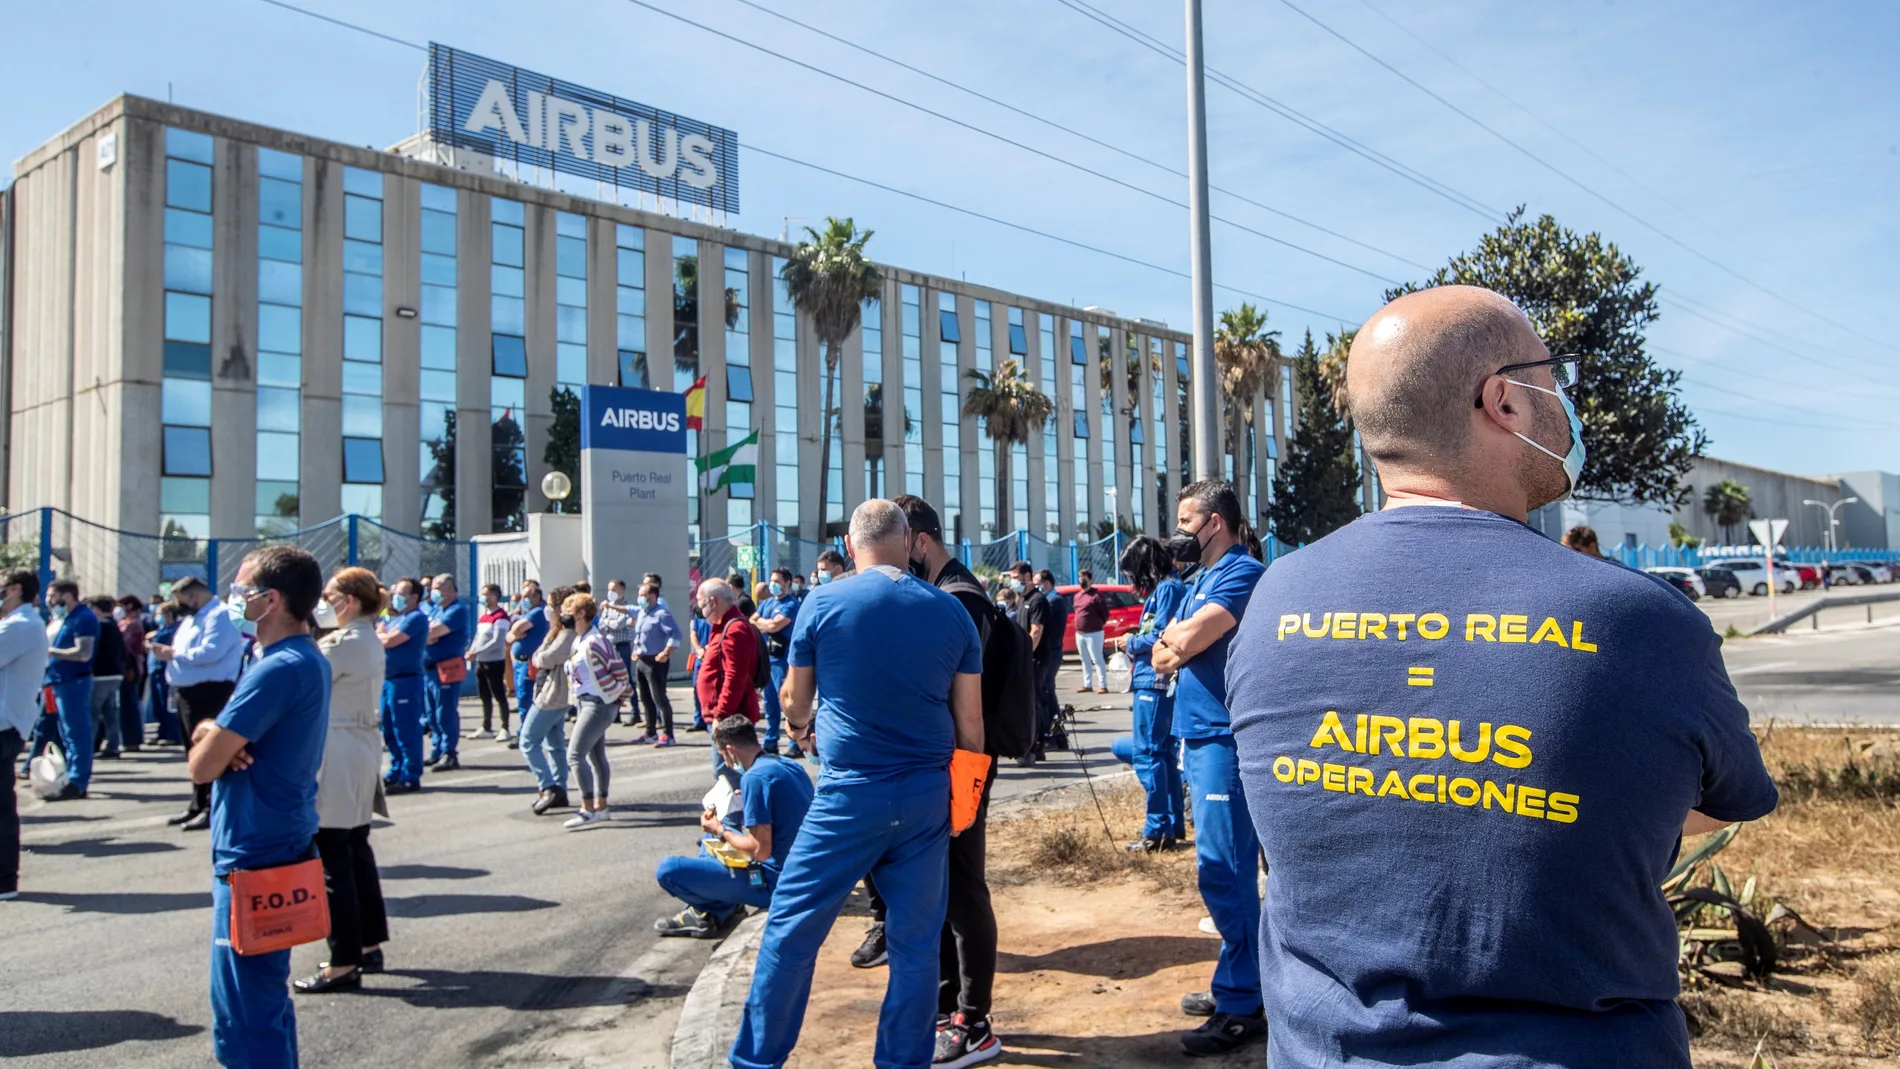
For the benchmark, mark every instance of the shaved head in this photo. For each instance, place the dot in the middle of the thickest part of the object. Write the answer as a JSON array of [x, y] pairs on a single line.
[[1417, 365]]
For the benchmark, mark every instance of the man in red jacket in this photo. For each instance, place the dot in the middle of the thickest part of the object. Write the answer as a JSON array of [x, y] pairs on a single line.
[[728, 661]]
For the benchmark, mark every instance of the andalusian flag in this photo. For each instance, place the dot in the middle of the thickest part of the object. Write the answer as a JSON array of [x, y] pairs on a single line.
[[736, 464], [696, 405]]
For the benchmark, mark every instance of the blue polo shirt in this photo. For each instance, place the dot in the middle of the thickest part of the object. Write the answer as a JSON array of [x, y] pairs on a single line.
[[885, 648], [772, 608], [455, 617], [79, 623], [266, 814], [1469, 752], [406, 659], [1200, 691], [524, 647], [1156, 614], [777, 792]]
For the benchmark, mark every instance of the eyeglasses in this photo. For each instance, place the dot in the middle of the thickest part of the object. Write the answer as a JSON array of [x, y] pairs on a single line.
[[1563, 371]]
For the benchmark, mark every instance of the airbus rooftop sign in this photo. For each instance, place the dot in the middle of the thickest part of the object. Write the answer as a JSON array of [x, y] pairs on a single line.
[[538, 121]]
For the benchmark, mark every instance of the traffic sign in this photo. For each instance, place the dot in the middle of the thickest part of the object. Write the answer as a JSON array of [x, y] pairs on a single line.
[[1768, 532]]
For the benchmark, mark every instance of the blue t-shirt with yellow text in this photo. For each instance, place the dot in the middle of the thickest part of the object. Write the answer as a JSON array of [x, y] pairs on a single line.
[[1469, 753]]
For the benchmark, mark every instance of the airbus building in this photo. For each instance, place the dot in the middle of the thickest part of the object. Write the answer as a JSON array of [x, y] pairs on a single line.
[[217, 329]]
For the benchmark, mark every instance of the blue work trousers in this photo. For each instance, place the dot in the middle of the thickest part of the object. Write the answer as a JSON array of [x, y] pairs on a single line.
[[443, 702], [252, 1023], [544, 746], [73, 699], [898, 832], [402, 728], [524, 687], [1157, 765], [774, 714], [707, 885], [1227, 862]]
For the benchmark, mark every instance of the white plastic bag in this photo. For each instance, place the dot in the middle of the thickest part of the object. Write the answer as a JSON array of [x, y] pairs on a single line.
[[1121, 672], [47, 772]]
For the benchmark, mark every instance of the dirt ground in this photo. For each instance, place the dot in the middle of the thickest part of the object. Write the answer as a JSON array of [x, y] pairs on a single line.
[[1098, 945]]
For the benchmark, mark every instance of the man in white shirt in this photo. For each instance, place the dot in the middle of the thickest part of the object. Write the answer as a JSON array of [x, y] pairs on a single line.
[[23, 658], [203, 661]]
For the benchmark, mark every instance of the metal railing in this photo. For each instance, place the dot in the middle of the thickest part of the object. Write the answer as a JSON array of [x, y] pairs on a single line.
[[1812, 610]]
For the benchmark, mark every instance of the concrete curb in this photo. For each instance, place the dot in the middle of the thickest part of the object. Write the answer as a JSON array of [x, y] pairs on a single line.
[[709, 1018]]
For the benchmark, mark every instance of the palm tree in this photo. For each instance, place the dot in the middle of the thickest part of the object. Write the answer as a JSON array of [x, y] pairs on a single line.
[[1332, 368], [1727, 504], [829, 280], [1014, 411], [1245, 352]]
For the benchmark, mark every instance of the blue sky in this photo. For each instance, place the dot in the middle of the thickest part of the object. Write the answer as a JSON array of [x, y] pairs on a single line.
[[1764, 137]]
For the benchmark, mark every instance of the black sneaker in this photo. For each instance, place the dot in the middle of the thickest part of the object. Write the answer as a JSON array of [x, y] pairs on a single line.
[[1198, 1004], [1223, 1033], [449, 763], [689, 923], [870, 953], [71, 793], [961, 1043], [432, 760], [543, 802]]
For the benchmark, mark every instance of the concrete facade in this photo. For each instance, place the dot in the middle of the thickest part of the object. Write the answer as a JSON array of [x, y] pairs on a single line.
[[85, 307]]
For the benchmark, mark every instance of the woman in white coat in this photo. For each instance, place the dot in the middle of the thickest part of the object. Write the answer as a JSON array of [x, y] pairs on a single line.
[[350, 785]]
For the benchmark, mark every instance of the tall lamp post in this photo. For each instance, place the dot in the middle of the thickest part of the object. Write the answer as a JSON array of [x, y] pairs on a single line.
[[1204, 397], [1832, 522]]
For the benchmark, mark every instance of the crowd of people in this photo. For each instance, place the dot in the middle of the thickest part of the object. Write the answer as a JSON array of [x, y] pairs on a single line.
[[1418, 912]]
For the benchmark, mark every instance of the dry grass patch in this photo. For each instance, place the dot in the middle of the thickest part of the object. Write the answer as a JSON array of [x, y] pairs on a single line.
[[1082, 839]]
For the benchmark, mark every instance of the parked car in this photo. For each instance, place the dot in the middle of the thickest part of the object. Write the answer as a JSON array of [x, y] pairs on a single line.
[[1720, 582], [1683, 579], [1754, 576], [1124, 612], [1882, 572], [1810, 573], [1852, 573]]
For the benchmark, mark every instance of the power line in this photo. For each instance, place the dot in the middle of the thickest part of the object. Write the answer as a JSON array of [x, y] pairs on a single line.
[[1071, 131], [1559, 172], [1771, 420], [892, 189], [1013, 143], [1783, 404], [1815, 360], [1793, 384], [1288, 112]]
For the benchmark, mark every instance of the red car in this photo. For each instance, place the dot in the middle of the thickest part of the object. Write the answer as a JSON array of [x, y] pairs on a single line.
[[1810, 573], [1124, 611]]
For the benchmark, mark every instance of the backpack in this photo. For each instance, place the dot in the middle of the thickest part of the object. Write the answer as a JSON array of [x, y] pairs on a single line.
[[762, 667], [1009, 681]]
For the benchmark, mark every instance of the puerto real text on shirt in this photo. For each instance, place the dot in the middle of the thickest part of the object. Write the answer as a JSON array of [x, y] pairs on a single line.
[[1445, 762]]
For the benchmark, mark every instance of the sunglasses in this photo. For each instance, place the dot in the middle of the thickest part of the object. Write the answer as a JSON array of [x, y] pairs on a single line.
[[1563, 371]]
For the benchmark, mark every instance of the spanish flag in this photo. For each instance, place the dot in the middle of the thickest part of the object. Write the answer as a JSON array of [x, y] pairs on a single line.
[[696, 405]]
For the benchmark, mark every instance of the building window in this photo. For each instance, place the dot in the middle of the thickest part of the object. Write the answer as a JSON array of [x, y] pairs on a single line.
[[1079, 407], [1051, 462], [362, 342], [985, 452], [913, 364], [1184, 408], [686, 349], [279, 369], [738, 298], [784, 397], [630, 243], [1158, 396], [1110, 498], [508, 353], [872, 328], [951, 415], [185, 385], [436, 458]]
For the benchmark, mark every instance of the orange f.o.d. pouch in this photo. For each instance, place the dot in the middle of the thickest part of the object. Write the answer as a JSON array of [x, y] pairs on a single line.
[[968, 772], [279, 907]]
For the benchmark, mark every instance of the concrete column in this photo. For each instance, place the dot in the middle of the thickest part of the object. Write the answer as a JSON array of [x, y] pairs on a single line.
[[320, 463], [1264, 482], [759, 302], [540, 265], [1064, 505], [474, 366], [712, 364], [603, 305], [930, 378], [851, 417], [234, 341], [659, 264], [1037, 473], [811, 397], [402, 353], [891, 468], [970, 442], [1092, 336], [1119, 399]]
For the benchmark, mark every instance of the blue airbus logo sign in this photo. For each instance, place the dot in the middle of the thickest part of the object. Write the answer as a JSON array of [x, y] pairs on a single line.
[[637, 421], [538, 121]]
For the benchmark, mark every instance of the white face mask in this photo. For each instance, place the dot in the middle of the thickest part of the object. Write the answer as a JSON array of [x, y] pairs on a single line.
[[326, 614]]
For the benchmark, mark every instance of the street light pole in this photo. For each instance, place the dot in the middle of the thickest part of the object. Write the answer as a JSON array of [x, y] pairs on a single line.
[[1204, 406], [1831, 524]]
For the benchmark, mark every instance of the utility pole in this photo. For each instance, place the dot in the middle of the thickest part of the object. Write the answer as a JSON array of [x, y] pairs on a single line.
[[1204, 406]]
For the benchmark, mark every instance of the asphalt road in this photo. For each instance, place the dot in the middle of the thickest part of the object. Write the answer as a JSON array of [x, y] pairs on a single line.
[[512, 942], [1846, 670]]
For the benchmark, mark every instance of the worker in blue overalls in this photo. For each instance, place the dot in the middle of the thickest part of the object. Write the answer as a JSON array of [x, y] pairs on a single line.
[[449, 633], [524, 637], [404, 634], [1150, 569], [1210, 532], [775, 618]]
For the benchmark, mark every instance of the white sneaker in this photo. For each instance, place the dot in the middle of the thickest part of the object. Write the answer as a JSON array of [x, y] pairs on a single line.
[[502, 736], [1207, 925], [586, 819]]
